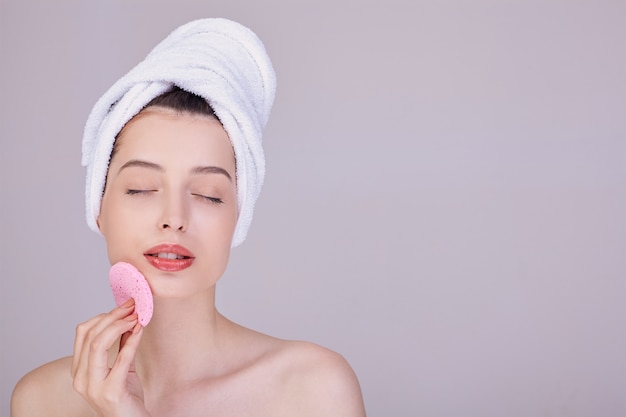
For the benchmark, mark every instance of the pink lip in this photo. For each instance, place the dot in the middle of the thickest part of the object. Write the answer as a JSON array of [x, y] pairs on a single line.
[[184, 260]]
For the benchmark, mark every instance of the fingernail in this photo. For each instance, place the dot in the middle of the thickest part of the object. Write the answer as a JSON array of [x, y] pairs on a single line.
[[131, 318], [137, 328], [128, 303]]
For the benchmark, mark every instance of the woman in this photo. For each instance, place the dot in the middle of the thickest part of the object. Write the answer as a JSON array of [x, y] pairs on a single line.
[[174, 166]]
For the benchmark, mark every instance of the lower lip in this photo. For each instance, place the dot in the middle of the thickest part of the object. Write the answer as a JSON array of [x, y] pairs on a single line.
[[169, 265]]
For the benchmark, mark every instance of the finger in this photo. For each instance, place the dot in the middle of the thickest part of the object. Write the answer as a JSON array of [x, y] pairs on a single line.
[[95, 351], [86, 370], [123, 339], [98, 351], [125, 361], [79, 340], [92, 327]]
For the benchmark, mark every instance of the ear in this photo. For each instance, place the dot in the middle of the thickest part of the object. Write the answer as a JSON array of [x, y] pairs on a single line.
[[99, 225]]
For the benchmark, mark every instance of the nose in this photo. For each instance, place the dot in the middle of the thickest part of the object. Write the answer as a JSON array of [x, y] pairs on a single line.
[[174, 215], [174, 225]]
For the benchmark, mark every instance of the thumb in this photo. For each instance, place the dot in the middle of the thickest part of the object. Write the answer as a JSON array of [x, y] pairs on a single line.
[[124, 339]]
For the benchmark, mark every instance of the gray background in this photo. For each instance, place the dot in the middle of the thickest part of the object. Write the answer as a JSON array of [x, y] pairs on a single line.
[[444, 205]]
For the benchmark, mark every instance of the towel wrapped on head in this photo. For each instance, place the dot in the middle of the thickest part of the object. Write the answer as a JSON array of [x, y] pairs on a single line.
[[217, 59]]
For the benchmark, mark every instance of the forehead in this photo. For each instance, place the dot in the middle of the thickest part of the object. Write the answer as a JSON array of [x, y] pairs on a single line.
[[161, 133]]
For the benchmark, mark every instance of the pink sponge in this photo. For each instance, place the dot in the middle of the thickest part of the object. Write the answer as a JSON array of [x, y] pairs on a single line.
[[127, 282]]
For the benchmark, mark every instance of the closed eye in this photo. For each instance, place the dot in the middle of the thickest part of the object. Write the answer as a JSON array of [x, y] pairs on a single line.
[[134, 192], [210, 199]]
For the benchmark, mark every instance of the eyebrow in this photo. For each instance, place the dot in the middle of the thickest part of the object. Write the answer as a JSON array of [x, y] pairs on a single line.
[[211, 170], [156, 167], [142, 164]]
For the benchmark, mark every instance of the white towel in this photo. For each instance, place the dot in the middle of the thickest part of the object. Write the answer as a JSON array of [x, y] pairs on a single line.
[[217, 59]]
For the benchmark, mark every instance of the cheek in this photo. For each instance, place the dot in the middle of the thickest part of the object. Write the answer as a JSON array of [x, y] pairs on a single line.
[[219, 224], [117, 223], [222, 217], [232, 219]]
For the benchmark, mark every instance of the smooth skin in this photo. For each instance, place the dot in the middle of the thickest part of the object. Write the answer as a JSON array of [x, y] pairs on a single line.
[[172, 180]]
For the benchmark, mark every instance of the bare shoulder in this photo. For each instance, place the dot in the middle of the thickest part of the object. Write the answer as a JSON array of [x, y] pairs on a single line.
[[318, 381], [47, 391]]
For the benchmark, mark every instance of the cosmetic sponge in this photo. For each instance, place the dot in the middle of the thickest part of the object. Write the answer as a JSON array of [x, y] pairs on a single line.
[[127, 282]]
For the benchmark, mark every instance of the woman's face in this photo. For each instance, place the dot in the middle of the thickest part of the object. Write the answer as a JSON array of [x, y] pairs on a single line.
[[170, 202]]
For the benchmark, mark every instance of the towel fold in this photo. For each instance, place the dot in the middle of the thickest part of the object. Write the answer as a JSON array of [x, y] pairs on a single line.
[[217, 59]]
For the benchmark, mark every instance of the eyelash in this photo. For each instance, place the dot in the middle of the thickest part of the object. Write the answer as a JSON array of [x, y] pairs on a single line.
[[134, 192], [213, 200]]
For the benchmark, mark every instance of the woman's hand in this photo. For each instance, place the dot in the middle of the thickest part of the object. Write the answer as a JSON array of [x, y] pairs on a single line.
[[115, 391]]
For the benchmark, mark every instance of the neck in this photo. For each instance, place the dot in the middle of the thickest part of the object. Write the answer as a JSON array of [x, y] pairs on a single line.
[[183, 341]]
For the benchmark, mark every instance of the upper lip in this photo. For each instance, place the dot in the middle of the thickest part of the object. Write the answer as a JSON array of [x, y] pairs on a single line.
[[170, 248]]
